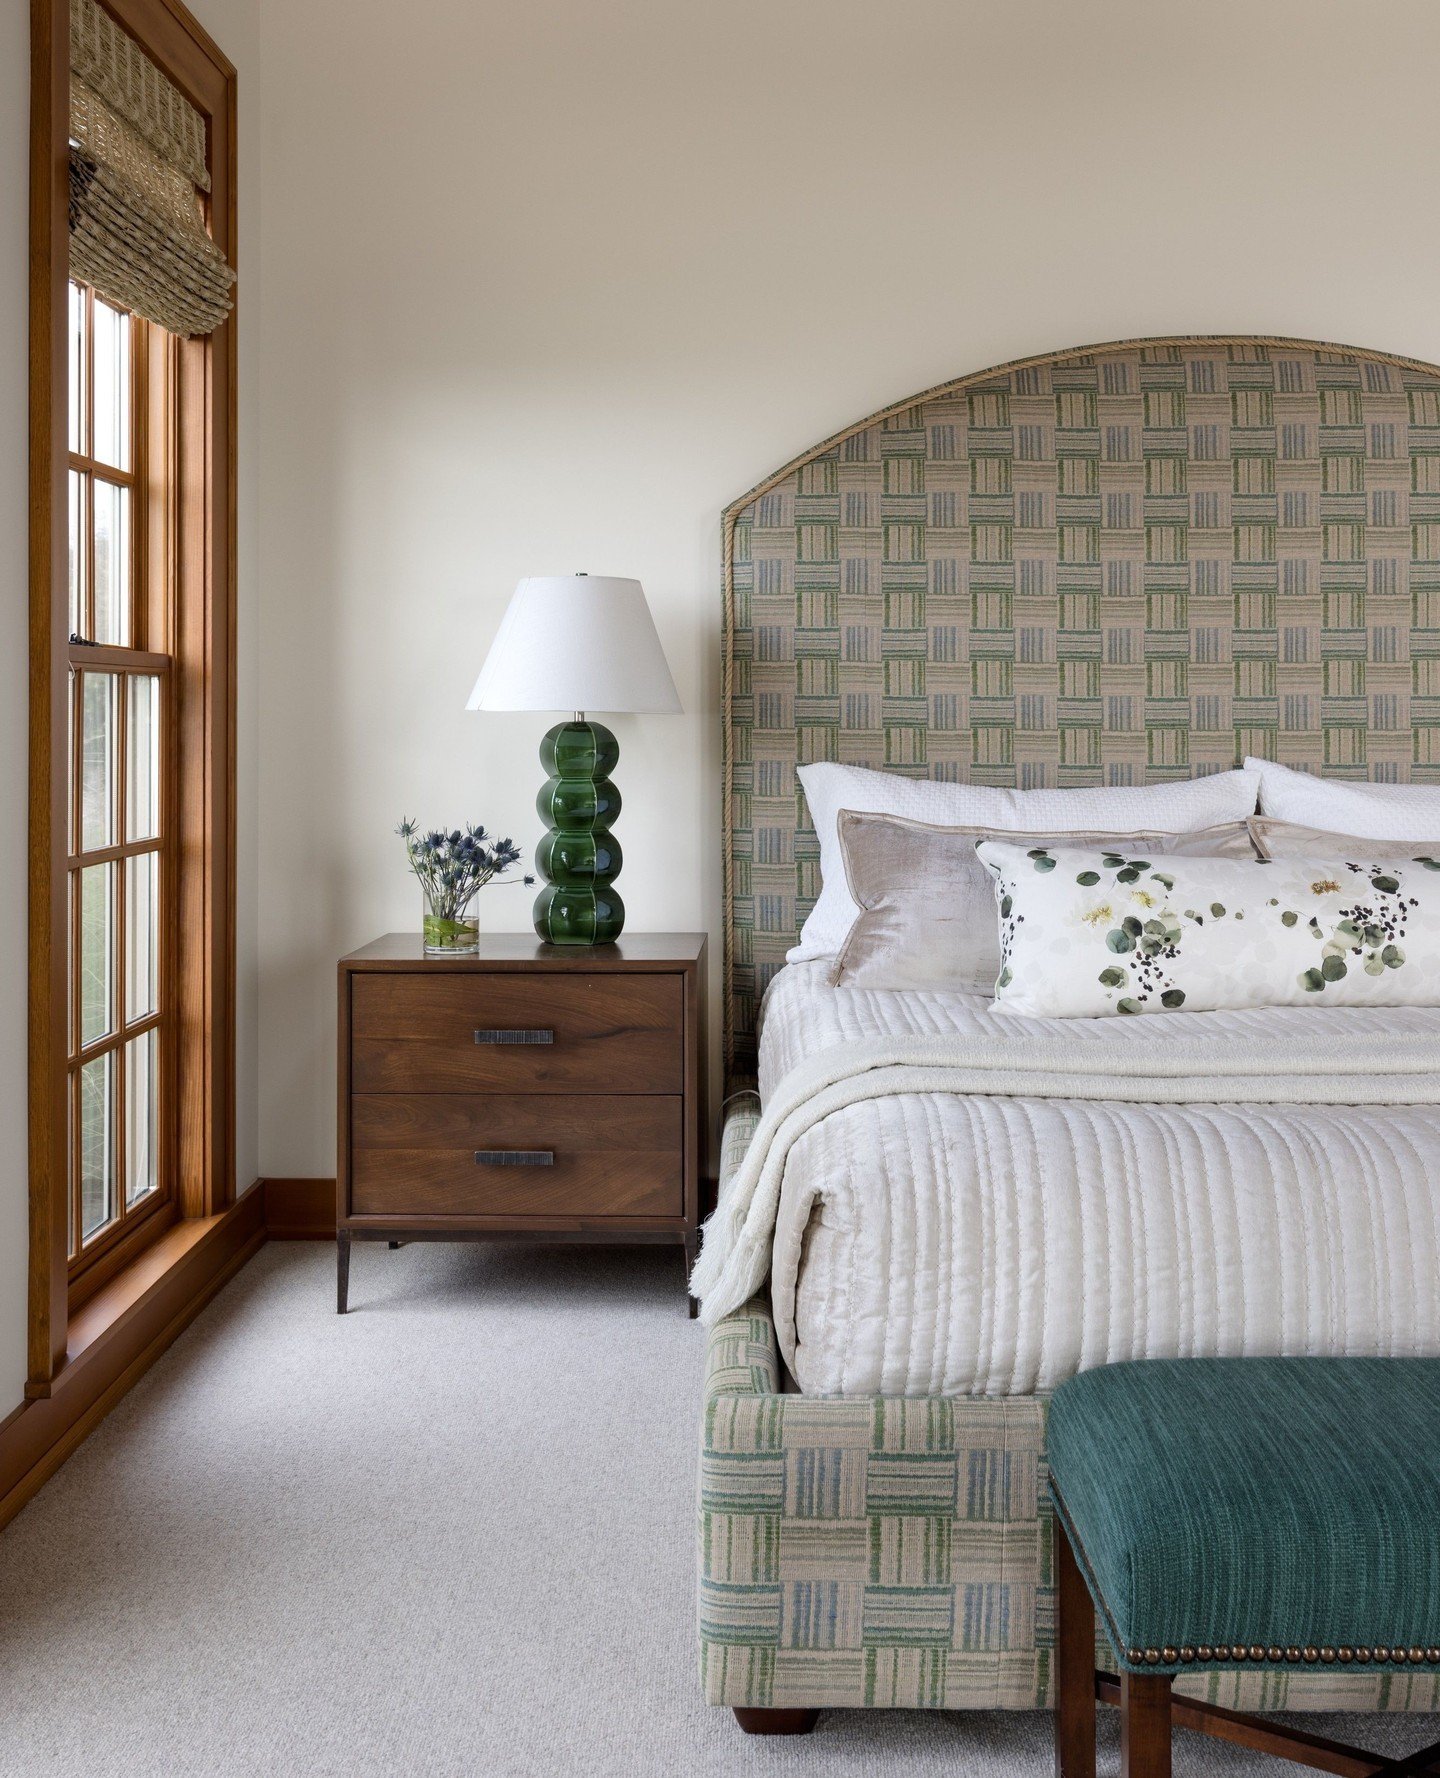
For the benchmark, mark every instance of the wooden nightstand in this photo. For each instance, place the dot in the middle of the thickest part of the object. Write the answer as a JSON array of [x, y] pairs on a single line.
[[532, 1092]]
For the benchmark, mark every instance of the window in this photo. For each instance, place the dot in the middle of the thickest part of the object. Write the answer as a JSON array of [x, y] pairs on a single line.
[[132, 704], [119, 886]]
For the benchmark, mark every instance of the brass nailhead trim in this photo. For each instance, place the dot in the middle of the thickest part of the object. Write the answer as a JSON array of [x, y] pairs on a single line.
[[1204, 1653]]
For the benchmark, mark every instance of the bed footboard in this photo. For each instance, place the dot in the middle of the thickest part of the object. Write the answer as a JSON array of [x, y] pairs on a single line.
[[896, 1552]]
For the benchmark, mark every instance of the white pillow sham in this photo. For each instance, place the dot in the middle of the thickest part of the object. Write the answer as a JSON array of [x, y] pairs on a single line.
[[1087, 933], [1374, 811], [1179, 807], [927, 903]]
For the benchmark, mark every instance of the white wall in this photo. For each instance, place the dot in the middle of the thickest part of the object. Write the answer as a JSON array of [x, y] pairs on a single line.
[[235, 26], [547, 285]]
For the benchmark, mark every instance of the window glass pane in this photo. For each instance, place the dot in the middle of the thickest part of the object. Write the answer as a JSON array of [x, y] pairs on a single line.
[[97, 973], [97, 761], [142, 786], [112, 563], [76, 375], [77, 553], [141, 1117], [141, 938], [112, 386], [97, 1145]]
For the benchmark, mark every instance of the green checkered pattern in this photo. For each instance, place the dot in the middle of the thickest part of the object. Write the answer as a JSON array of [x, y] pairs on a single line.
[[1119, 566], [897, 1552]]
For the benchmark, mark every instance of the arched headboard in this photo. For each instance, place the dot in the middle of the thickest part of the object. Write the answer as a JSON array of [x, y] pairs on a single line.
[[1109, 565]]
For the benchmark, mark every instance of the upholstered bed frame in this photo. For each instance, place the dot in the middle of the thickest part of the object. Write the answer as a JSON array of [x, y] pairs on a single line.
[[1111, 565]]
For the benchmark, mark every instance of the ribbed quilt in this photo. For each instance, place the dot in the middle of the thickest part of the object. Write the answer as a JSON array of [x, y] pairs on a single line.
[[951, 1201]]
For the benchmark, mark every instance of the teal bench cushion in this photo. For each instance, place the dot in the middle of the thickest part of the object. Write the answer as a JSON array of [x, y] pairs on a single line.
[[1256, 1510]]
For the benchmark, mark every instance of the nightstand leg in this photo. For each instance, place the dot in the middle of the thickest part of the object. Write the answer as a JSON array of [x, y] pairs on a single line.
[[342, 1271]]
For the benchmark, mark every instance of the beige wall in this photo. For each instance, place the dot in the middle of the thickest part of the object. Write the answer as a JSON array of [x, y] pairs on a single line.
[[234, 24], [547, 285]]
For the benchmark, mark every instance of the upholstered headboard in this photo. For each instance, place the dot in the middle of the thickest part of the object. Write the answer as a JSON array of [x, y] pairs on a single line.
[[1102, 566]]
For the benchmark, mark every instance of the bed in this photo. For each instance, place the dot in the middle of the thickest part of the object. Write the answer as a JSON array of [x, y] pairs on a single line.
[[1125, 564]]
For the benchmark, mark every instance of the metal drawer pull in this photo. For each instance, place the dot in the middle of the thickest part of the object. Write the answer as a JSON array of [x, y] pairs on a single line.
[[508, 1037], [514, 1157]]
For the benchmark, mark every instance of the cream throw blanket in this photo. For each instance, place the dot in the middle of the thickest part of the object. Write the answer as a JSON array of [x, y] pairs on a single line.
[[1330, 1070]]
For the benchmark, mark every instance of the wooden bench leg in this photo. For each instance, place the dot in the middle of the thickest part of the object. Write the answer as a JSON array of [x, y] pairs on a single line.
[[1074, 1665], [775, 1722], [1144, 1725]]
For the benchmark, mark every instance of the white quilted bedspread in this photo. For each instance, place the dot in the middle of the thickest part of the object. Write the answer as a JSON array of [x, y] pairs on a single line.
[[948, 1243]]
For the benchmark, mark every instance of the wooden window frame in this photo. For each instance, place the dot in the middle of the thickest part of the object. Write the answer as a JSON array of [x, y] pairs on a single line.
[[189, 546]]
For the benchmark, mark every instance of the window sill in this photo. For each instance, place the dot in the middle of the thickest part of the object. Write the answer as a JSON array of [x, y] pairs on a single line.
[[142, 1298]]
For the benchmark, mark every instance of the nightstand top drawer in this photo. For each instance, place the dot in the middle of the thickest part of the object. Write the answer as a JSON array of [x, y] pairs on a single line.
[[505, 1033]]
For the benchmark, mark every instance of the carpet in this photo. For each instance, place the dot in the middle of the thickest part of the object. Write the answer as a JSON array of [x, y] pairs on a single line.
[[447, 1534]]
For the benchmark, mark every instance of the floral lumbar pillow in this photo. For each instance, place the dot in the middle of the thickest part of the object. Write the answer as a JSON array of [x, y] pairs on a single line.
[[1085, 933]]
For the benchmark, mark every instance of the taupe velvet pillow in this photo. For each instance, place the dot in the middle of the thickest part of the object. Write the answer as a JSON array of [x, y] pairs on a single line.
[[1274, 838], [927, 905]]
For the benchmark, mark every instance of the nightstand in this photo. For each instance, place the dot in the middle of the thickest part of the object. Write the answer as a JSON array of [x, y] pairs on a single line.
[[532, 1092]]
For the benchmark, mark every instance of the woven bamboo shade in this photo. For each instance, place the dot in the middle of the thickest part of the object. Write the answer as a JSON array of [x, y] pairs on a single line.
[[137, 154]]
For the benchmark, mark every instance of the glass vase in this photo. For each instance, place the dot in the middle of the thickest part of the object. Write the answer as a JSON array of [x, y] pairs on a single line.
[[450, 929]]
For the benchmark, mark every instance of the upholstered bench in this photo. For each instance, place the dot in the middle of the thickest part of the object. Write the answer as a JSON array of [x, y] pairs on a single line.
[[1255, 1512]]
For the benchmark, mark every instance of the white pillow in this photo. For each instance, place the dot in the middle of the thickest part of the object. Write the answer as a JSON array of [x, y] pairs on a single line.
[[1374, 811], [1180, 807], [1088, 933]]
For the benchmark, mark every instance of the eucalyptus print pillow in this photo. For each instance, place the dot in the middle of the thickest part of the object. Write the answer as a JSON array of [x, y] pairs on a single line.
[[1086, 933]]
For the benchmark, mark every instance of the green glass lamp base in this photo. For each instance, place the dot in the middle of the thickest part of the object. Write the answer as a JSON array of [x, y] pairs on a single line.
[[579, 857]]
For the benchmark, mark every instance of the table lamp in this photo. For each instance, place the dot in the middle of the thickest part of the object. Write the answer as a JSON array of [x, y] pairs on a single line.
[[577, 642]]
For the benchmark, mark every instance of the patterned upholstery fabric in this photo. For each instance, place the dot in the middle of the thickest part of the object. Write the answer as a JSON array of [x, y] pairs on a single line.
[[1288, 1506], [898, 1552], [1113, 566]]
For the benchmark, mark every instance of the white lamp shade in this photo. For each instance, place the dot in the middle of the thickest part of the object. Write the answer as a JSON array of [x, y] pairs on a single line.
[[576, 642]]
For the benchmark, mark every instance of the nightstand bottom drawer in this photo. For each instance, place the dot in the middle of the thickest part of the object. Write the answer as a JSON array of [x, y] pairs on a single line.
[[443, 1154]]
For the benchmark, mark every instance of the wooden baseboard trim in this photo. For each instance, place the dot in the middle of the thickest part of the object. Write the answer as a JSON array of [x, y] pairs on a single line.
[[142, 1318], [299, 1209]]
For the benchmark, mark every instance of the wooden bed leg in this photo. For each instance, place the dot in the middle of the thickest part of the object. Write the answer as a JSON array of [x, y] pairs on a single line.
[[1144, 1725], [1074, 1665], [775, 1722]]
